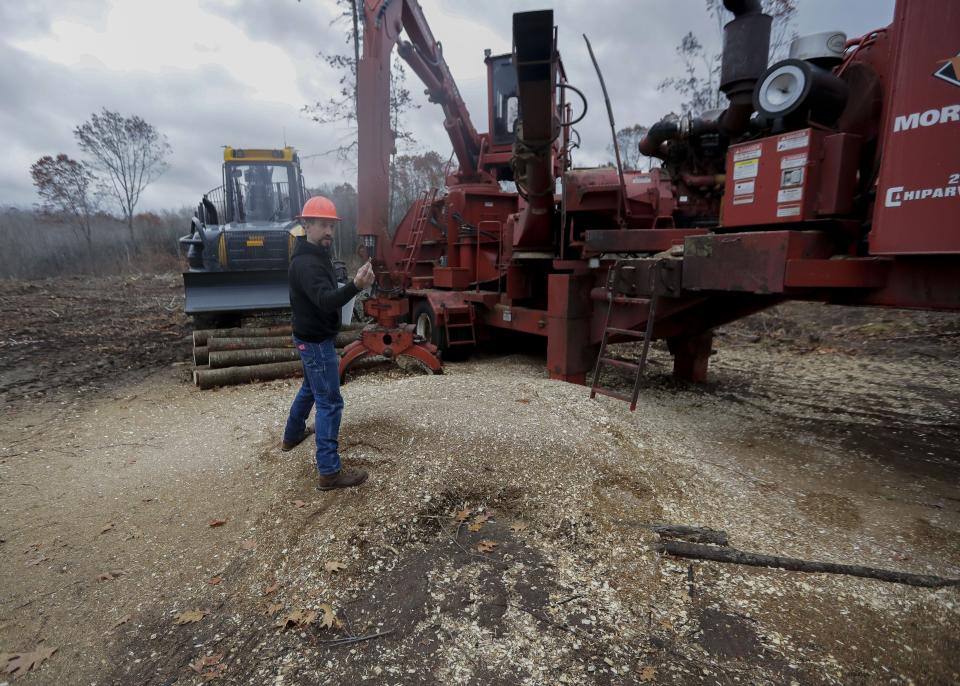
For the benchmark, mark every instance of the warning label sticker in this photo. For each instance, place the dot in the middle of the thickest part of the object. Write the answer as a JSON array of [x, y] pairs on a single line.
[[743, 200], [788, 211], [792, 141], [791, 177], [744, 188], [747, 152], [793, 161], [745, 169], [789, 195]]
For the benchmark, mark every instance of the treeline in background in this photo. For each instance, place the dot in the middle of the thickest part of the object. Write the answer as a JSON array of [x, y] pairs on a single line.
[[37, 245]]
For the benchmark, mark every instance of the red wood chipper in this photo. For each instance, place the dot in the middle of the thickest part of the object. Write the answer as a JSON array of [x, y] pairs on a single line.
[[833, 176]]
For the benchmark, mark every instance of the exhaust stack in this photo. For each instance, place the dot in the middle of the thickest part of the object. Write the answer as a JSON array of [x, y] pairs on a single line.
[[746, 44]]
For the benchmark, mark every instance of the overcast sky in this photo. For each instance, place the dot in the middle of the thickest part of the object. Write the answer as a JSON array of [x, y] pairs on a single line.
[[209, 73]]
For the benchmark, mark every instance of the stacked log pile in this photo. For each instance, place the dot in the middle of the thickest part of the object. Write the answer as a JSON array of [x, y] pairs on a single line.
[[224, 357]]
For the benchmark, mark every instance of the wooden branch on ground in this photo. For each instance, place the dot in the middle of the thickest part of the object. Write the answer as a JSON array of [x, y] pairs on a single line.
[[694, 534], [725, 554], [332, 643]]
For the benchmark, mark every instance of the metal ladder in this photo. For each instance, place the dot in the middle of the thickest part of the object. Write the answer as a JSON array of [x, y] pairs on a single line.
[[463, 318], [647, 335], [409, 259]]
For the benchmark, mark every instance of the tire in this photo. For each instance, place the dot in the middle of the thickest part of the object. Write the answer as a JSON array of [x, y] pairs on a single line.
[[425, 321]]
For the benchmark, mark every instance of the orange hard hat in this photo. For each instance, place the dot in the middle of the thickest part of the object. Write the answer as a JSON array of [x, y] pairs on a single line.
[[319, 207]]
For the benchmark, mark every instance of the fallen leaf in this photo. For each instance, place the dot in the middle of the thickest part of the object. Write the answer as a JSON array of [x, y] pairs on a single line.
[[486, 545], [120, 622], [648, 674], [271, 589], [215, 672], [481, 518], [518, 527], [148, 500], [213, 581], [216, 522], [18, 664], [299, 503], [249, 544], [334, 566], [109, 576], [297, 618], [272, 609], [461, 516], [524, 401], [329, 619], [106, 527], [191, 616], [202, 663], [475, 526]]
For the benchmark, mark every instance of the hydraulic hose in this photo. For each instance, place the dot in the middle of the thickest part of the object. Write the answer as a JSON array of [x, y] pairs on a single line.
[[658, 134]]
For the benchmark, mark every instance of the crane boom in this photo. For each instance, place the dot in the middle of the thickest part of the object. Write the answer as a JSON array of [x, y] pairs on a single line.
[[384, 21]]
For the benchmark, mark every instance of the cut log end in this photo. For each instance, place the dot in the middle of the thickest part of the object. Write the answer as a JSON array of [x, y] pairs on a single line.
[[201, 355]]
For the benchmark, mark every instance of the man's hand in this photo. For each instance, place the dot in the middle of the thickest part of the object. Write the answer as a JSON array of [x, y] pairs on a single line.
[[365, 276]]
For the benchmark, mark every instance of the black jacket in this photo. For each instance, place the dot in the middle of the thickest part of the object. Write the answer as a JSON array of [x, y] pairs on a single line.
[[315, 298]]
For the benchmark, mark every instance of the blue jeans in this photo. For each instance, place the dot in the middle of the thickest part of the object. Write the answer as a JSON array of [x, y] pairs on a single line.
[[321, 387]]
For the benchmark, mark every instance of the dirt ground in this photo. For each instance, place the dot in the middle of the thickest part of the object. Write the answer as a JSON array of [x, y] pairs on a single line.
[[131, 501]]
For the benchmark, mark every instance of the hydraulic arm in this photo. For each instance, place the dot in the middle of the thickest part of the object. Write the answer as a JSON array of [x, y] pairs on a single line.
[[384, 22]]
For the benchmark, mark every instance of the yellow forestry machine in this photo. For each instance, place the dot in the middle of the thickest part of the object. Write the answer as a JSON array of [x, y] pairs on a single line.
[[241, 237]]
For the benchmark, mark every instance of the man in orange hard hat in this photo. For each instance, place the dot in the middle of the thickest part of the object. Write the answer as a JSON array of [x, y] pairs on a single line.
[[316, 301]]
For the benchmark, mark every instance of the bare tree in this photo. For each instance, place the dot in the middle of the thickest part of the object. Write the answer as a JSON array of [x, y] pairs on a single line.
[[341, 108], [344, 196], [628, 140], [129, 151], [67, 191], [700, 82], [410, 176]]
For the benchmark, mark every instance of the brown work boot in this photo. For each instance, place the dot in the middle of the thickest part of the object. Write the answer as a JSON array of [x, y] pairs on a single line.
[[345, 478], [287, 446]]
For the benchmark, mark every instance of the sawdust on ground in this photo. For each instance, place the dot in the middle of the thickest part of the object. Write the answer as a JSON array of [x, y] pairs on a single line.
[[806, 450]]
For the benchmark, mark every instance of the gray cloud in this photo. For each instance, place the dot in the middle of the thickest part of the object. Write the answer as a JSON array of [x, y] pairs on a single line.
[[22, 20], [202, 108]]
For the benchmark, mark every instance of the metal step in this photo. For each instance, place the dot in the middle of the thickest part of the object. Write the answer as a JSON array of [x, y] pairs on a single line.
[[625, 332], [610, 394], [623, 364]]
